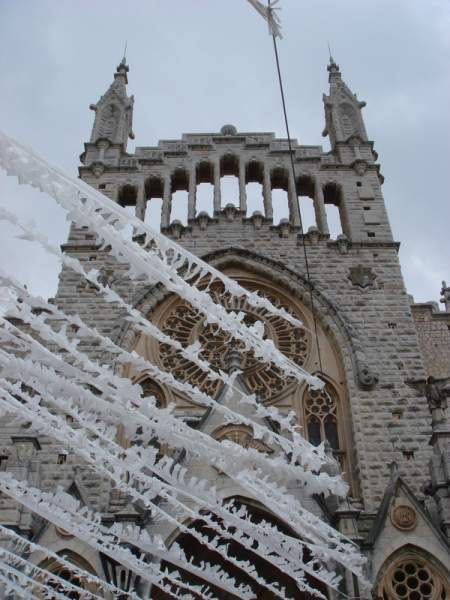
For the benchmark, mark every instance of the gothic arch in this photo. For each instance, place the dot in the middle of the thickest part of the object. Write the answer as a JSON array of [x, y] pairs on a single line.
[[175, 317], [53, 566], [326, 419], [411, 573], [198, 552], [344, 336]]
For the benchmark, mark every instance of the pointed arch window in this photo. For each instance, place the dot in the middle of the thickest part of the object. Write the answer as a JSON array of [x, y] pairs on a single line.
[[323, 421]]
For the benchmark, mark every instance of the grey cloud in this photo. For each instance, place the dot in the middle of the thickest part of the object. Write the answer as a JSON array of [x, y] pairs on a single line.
[[197, 64]]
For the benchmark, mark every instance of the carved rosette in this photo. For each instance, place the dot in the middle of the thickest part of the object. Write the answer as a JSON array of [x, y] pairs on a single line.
[[404, 517], [186, 325]]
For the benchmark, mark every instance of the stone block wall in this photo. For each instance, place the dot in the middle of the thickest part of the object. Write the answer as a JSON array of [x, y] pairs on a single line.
[[433, 330]]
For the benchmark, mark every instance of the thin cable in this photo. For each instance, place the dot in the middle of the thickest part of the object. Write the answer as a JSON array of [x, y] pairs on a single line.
[[305, 253], [308, 276]]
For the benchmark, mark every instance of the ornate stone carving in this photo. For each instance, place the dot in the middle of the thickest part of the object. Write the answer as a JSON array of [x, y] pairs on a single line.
[[203, 219], [367, 379], [436, 395], [257, 219], [321, 417], [98, 169], [284, 228], [404, 517], [360, 167], [186, 325], [242, 435], [175, 229], [414, 578], [313, 235], [343, 243], [362, 276], [230, 211]]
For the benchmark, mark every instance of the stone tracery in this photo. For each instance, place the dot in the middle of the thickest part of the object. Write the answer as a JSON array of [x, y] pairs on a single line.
[[185, 325], [412, 578]]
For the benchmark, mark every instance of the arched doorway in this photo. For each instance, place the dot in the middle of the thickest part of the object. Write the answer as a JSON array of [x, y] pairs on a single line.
[[198, 552], [62, 571]]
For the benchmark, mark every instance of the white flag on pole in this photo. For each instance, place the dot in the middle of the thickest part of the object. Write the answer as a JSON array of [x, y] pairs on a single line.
[[269, 14]]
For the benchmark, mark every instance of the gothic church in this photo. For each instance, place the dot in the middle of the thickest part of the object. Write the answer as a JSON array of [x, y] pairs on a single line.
[[385, 360]]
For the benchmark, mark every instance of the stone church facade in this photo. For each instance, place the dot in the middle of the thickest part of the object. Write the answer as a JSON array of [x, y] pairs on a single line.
[[385, 360]]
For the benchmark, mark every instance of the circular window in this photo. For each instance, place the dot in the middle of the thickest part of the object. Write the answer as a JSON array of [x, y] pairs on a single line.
[[187, 325], [413, 580]]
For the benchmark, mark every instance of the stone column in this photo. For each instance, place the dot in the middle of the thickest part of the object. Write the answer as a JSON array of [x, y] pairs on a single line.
[[167, 201], [294, 209], [319, 208], [267, 193], [217, 197], [242, 190], [141, 202], [192, 198]]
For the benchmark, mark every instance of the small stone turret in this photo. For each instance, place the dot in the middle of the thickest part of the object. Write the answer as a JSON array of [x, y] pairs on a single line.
[[114, 111], [112, 125], [342, 110]]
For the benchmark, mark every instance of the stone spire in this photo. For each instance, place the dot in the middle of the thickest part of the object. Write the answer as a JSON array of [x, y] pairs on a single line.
[[343, 118], [114, 111]]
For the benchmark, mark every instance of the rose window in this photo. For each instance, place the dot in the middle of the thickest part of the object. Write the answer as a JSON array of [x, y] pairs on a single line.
[[413, 580], [187, 325]]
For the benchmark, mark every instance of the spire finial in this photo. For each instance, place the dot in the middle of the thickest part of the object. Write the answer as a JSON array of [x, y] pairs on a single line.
[[124, 59], [329, 52]]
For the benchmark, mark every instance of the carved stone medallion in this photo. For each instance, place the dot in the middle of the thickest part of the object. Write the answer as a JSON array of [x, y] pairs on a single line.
[[362, 276], [404, 517]]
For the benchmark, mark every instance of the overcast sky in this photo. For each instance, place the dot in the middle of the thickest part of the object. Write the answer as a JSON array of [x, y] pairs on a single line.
[[198, 64]]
